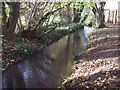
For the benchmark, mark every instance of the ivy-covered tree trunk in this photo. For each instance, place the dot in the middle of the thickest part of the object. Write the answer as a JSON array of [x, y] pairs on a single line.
[[14, 14], [9, 22], [77, 13], [76, 17], [4, 17]]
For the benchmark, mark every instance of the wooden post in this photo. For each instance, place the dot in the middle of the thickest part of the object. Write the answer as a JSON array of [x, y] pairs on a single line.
[[108, 20], [115, 20], [118, 14]]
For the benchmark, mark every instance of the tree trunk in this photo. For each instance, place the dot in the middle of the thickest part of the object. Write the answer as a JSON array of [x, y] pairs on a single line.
[[4, 24], [77, 13], [45, 17], [99, 15], [76, 17], [14, 14], [68, 14]]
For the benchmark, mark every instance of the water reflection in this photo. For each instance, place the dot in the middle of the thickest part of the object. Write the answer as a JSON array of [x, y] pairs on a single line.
[[47, 68], [87, 29]]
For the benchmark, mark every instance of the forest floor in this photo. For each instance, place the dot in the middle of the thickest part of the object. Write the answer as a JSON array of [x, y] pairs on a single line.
[[16, 49], [99, 65]]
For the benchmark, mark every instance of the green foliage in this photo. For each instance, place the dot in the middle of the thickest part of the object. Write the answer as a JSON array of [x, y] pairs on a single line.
[[21, 48], [91, 4], [61, 25], [66, 80], [63, 4], [88, 20], [61, 30], [12, 6], [56, 23], [26, 48], [17, 46], [77, 4]]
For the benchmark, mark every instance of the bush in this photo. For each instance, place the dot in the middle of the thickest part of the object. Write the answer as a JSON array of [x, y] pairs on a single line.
[[25, 49]]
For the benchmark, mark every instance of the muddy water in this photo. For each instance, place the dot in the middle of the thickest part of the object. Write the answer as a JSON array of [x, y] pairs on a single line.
[[48, 68]]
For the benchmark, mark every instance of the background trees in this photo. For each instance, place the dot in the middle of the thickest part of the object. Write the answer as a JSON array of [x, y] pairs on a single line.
[[35, 17]]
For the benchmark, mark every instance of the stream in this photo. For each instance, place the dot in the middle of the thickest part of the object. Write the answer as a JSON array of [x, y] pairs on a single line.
[[48, 68]]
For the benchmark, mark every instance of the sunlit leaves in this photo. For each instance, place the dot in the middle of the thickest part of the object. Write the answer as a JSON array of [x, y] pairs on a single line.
[[52, 4], [63, 4], [76, 4]]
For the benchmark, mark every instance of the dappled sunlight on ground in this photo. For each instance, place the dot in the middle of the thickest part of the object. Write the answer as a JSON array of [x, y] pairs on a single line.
[[99, 65]]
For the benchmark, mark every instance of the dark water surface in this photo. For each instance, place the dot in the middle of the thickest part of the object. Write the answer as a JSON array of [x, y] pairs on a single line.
[[48, 68]]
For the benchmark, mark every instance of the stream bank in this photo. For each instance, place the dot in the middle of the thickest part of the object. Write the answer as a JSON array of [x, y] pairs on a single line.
[[17, 48], [49, 67], [99, 65]]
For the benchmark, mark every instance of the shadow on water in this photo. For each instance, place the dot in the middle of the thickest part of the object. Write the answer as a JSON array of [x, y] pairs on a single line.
[[47, 68]]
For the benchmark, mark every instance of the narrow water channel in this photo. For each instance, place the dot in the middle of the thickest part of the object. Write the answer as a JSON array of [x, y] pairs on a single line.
[[48, 68]]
